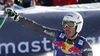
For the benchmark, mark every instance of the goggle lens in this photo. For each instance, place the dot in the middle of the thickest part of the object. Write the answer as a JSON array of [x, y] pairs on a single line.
[[69, 24]]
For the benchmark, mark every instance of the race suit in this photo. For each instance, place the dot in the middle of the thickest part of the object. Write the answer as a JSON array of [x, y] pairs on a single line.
[[63, 46]]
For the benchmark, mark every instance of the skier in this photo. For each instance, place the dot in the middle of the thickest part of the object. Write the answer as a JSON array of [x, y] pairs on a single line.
[[67, 42], [1, 4]]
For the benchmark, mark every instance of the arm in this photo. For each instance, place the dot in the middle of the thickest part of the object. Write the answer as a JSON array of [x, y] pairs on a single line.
[[51, 33], [32, 25], [87, 51]]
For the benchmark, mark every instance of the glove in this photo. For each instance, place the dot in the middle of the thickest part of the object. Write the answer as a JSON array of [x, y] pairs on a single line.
[[11, 13]]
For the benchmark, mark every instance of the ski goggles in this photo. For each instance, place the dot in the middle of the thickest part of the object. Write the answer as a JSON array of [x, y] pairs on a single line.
[[70, 24]]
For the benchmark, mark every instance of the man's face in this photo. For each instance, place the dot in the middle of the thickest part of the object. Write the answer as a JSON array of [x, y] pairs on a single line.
[[69, 32]]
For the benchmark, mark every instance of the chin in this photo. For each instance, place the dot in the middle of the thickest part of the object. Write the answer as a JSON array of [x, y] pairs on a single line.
[[67, 37]]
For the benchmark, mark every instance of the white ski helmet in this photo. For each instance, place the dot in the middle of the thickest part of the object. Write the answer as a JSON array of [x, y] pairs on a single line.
[[74, 17]]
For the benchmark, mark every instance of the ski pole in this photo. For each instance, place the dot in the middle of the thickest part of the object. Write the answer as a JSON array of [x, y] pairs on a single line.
[[3, 21], [8, 10]]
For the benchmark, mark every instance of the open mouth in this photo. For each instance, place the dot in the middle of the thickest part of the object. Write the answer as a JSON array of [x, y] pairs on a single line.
[[67, 32]]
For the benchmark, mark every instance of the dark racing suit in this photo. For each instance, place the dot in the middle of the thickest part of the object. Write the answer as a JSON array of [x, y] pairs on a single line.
[[63, 46]]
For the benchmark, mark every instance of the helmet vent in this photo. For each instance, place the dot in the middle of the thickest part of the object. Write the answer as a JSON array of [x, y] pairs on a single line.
[[78, 17], [70, 15]]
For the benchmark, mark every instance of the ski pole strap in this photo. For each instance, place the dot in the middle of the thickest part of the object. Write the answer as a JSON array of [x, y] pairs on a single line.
[[16, 18], [3, 21]]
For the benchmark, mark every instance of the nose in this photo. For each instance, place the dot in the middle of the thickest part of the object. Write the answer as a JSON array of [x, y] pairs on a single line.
[[67, 27]]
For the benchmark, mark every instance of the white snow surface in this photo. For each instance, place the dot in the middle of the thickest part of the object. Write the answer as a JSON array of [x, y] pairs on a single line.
[[78, 7]]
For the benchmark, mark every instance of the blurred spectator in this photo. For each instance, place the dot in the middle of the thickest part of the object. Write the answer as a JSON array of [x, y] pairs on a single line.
[[98, 0], [18, 2], [2, 2], [45, 2], [33, 2], [64, 2], [6, 3], [9, 3], [87, 1], [28, 3]]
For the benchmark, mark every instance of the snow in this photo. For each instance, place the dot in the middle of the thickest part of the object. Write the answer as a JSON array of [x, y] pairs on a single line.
[[96, 49], [81, 7], [38, 9]]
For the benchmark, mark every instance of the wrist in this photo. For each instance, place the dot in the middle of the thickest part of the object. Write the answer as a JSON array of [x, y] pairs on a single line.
[[15, 18]]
